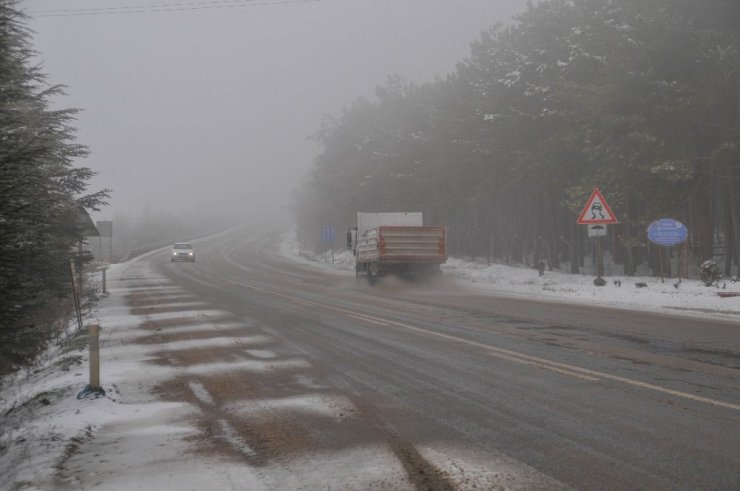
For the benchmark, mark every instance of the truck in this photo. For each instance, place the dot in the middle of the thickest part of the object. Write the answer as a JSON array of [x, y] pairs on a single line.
[[396, 244]]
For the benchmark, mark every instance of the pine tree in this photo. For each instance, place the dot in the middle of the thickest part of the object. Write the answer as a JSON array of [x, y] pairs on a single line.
[[41, 193]]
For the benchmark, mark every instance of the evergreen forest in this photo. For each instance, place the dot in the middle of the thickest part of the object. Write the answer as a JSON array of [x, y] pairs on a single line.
[[638, 98]]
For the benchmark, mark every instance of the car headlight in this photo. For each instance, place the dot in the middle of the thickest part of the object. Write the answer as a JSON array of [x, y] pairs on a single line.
[[190, 253]]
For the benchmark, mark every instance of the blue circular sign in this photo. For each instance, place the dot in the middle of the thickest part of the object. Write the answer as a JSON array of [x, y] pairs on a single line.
[[667, 232]]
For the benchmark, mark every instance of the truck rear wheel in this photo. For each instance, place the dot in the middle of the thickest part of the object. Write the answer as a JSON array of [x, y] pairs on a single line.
[[372, 273]]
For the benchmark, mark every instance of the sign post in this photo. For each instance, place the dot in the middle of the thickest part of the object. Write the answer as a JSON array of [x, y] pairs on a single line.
[[106, 230], [668, 233], [328, 236], [597, 214]]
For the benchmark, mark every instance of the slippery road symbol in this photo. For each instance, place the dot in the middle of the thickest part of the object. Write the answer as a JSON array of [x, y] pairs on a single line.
[[597, 209]]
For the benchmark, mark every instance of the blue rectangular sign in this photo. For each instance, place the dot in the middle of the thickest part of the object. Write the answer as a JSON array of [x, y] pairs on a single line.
[[328, 234]]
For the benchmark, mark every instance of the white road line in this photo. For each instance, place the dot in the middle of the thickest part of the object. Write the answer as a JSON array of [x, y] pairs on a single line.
[[508, 355], [170, 305], [260, 353], [170, 289], [172, 297], [372, 320], [230, 434], [564, 368], [213, 326], [327, 405], [188, 314], [255, 366], [201, 393], [219, 342], [583, 371], [307, 304]]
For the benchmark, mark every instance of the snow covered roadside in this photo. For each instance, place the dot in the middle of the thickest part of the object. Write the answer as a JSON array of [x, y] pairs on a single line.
[[132, 438], [35, 402], [44, 423], [168, 424], [690, 297]]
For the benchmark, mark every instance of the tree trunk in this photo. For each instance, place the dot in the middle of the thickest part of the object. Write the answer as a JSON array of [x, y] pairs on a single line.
[[734, 197], [729, 230], [701, 220], [733, 184]]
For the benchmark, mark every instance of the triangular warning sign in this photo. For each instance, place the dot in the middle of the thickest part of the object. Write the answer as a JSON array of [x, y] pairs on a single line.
[[596, 210]]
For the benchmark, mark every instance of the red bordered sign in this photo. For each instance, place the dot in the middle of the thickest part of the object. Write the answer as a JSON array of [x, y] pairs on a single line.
[[596, 211]]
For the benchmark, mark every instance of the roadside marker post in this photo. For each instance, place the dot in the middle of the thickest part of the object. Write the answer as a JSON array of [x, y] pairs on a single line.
[[93, 388], [94, 332], [75, 293]]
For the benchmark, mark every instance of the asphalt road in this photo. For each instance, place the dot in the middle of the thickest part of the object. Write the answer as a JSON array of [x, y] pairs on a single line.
[[568, 395]]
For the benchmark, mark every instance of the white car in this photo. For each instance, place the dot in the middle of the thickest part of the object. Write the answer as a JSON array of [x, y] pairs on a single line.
[[182, 252]]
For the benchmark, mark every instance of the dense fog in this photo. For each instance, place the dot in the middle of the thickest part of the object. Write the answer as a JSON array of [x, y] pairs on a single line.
[[208, 107]]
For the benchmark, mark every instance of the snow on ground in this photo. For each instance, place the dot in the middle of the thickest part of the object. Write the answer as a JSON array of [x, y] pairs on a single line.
[[53, 435], [133, 439], [689, 297], [141, 442], [495, 471], [335, 407], [53, 438]]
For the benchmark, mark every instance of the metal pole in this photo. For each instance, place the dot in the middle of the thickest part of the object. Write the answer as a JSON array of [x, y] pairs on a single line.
[[490, 248], [75, 295], [104, 270], [80, 275], [678, 265], [94, 331]]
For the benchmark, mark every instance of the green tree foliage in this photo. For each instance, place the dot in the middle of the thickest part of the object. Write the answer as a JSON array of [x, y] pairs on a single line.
[[40, 193], [641, 99]]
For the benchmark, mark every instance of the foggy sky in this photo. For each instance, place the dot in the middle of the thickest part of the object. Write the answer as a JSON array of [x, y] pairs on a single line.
[[211, 109]]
